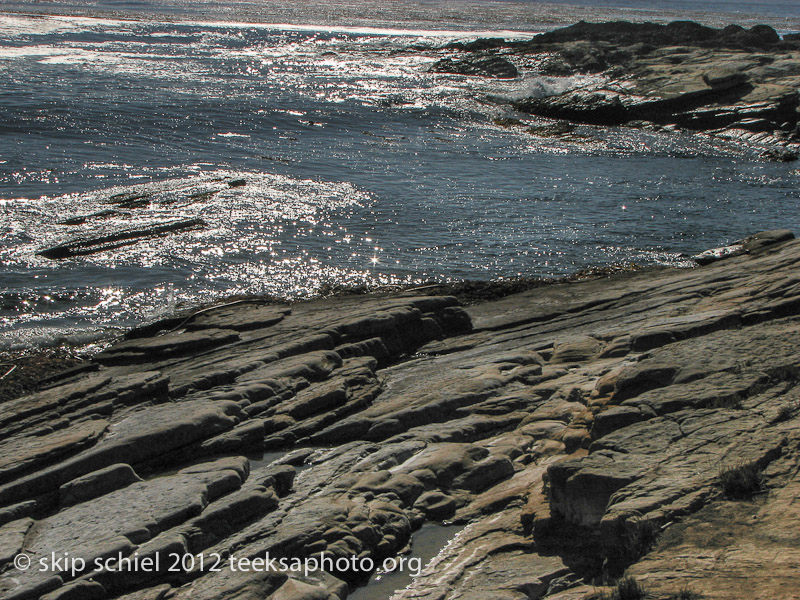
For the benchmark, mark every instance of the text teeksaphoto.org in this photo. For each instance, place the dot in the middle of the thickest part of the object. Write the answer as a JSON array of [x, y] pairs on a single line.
[[176, 562]]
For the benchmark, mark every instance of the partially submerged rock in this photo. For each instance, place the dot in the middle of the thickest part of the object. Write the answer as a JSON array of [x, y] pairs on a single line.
[[753, 243], [495, 67], [117, 239]]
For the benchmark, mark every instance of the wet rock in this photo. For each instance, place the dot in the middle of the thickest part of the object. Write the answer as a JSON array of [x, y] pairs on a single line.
[[118, 239], [753, 243], [81, 219], [135, 199], [677, 33], [479, 45], [714, 254], [495, 67], [779, 154]]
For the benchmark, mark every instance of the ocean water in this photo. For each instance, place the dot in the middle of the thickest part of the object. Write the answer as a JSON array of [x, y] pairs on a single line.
[[360, 166]]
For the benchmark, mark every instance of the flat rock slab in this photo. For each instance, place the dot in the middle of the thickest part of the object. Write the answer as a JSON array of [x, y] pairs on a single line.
[[238, 318], [167, 346], [22, 455]]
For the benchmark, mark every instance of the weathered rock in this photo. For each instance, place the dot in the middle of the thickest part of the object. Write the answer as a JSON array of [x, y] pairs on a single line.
[[628, 396], [297, 590], [577, 350], [79, 590], [96, 484], [753, 243], [12, 539], [436, 505], [733, 83], [23, 454], [231, 317], [144, 435], [166, 346]]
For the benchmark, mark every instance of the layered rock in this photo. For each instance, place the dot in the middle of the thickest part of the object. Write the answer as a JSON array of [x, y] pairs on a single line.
[[736, 84], [573, 432]]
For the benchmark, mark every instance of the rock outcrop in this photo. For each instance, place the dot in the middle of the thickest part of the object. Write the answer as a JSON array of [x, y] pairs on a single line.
[[732, 83], [645, 423]]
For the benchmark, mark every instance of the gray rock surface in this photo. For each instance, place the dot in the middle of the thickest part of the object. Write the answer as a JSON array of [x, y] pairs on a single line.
[[573, 431]]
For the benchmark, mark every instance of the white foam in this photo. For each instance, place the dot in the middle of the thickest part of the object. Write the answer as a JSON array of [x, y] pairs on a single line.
[[13, 25], [29, 51], [537, 86]]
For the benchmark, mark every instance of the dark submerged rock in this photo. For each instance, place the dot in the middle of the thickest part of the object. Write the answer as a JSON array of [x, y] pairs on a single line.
[[495, 67], [117, 239]]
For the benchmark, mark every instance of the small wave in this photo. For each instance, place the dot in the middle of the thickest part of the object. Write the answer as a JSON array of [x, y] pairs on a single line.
[[75, 338], [37, 25], [380, 31], [539, 86]]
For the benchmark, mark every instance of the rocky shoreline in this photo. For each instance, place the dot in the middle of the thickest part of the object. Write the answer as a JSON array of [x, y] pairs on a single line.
[[637, 430], [626, 436], [733, 84]]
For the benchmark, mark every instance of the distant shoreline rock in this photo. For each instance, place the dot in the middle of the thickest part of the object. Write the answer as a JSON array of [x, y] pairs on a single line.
[[732, 83]]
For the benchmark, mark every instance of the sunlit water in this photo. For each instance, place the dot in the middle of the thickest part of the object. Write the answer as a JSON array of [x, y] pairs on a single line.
[[361, 167]]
